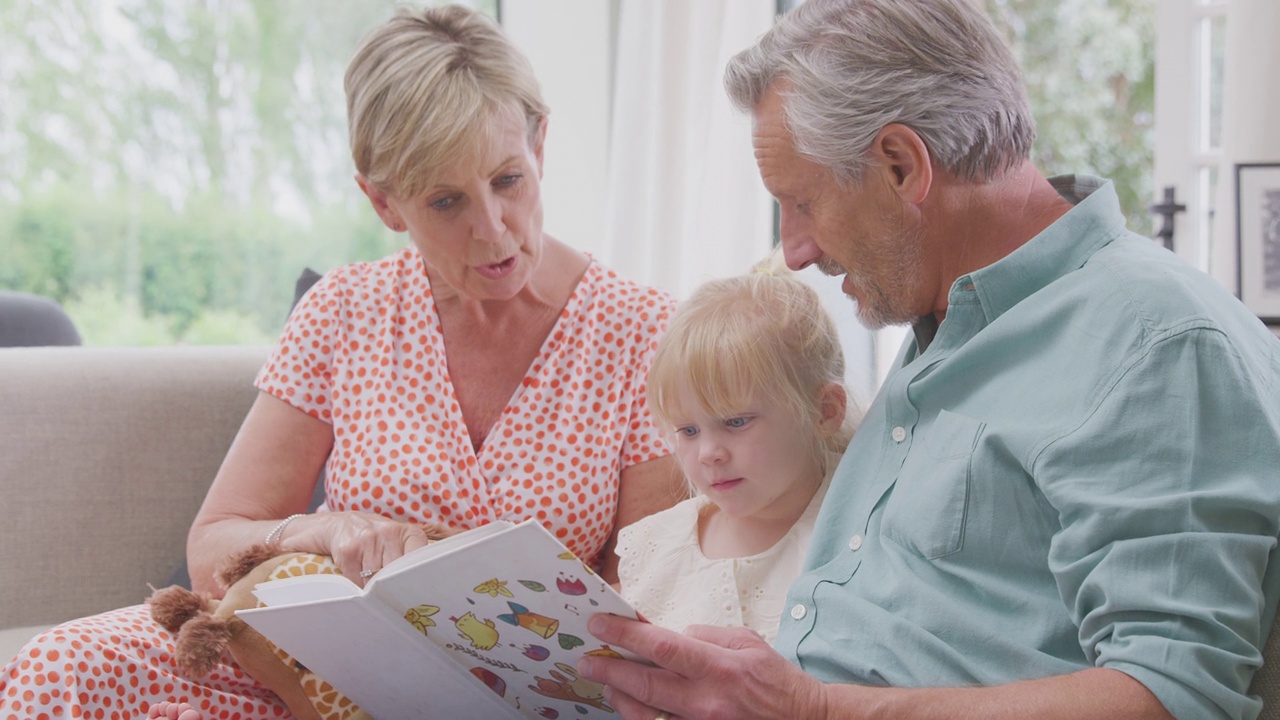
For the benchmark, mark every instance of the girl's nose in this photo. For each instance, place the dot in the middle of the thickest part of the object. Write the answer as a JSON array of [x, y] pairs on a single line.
[[712, 452]]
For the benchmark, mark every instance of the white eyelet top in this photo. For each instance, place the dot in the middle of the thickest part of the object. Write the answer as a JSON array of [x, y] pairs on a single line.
[[665, 576]]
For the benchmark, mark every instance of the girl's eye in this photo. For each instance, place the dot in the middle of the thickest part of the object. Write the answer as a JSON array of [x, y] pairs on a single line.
[[687, 431], [737, 422]]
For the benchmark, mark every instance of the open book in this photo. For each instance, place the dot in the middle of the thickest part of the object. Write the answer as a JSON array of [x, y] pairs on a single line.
[[489, 623]]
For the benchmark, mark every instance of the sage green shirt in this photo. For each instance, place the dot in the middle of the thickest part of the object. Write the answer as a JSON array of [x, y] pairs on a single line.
[[1081, 469]]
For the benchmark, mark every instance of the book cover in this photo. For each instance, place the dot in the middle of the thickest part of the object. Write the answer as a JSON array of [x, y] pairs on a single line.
[[489, 623]]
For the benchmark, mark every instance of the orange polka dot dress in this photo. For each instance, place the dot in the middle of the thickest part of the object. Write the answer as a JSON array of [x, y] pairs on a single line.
[[363, 351]]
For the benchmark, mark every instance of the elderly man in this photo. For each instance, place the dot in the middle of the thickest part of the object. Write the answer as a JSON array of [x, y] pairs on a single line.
[[1064, 501]]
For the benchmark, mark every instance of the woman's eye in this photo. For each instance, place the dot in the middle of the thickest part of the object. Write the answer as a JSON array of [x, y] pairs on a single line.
[[444, 203], [507, 180]]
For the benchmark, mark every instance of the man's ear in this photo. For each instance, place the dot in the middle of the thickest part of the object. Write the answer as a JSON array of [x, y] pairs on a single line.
[[904, 162], [835, 401], [381, 202]]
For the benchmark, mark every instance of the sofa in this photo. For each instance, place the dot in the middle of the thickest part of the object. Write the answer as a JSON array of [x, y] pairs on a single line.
[[105, 457]]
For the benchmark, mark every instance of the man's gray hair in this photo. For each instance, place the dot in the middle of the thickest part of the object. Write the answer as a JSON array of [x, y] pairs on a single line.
[[936, 66]]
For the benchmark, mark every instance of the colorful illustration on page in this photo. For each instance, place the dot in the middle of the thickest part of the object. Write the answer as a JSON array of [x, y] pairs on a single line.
[[522, 637]]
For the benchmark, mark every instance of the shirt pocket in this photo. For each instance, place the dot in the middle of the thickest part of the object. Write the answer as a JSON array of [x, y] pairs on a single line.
[[926, 510]]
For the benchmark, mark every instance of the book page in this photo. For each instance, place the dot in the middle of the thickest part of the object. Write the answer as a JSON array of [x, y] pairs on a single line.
[[304, 588], [512, 609], [439, 547], [361, 648], [499, 612]]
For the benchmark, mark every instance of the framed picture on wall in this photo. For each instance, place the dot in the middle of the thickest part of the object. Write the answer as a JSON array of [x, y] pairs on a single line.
[[1258, 238]]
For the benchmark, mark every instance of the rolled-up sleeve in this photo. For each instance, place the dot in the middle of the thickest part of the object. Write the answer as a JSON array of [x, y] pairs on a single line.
[[1168, 494]]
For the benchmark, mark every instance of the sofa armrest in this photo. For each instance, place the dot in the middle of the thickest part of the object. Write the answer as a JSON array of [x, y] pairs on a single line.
[[105, 457]]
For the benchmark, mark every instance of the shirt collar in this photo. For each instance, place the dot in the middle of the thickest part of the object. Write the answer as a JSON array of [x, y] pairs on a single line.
[[1061, 248]]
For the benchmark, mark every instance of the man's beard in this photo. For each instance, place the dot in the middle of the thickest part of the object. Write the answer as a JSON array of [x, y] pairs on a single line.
[[886, 298]]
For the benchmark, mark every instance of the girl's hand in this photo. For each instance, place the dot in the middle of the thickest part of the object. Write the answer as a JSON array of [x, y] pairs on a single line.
[[173, 711]]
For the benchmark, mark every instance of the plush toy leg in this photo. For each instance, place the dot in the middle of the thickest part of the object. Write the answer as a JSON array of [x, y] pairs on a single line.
[[307, 695], [213, 630], [257, 657]]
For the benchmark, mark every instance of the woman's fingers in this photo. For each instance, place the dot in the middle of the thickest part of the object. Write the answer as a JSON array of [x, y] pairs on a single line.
[[362, 543], [415, 537]]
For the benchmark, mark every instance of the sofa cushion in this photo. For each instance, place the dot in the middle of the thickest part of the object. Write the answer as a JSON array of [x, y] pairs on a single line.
[[105, 457], [12, 640]]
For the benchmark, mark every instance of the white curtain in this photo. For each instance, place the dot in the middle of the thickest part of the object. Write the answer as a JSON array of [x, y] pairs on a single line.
[[1250, 114], [684, 202]]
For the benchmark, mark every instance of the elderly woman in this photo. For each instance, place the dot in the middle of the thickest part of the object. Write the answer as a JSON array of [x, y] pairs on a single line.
[[485, 371]]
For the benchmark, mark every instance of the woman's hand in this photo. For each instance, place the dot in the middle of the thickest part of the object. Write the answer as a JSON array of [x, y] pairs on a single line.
[[360, 543]]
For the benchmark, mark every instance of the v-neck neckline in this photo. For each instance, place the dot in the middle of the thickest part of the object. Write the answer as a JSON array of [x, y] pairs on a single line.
[[554, 339]]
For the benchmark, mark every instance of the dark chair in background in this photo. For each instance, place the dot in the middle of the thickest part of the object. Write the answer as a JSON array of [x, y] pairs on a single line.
[[28, 320]]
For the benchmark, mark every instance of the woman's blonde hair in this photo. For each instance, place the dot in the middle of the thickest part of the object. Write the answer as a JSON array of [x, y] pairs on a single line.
[[764, 335], [423, 90]]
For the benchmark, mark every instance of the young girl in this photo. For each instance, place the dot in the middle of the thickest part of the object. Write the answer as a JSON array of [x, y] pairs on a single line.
[[747, 382]]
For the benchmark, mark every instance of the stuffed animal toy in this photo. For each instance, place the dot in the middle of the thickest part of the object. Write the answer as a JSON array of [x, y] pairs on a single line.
[[206, 630]]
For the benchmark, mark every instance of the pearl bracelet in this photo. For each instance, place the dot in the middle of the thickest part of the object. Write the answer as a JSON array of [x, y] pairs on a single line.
[[273, 537]]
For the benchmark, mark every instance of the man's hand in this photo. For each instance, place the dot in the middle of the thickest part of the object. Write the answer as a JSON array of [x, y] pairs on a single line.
[[707, 673]]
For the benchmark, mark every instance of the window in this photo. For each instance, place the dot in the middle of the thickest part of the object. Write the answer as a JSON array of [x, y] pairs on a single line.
[[1190, 45], [168, 168]]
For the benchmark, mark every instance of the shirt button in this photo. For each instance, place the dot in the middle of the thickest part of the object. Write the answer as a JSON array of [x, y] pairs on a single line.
[[798, 612], [899, 434], [855, 542]]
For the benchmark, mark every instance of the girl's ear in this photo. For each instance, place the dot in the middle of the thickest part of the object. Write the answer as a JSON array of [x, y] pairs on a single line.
[[834, 405]]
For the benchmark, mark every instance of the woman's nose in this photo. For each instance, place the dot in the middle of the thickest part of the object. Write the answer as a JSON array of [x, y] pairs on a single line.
[[488, 223]]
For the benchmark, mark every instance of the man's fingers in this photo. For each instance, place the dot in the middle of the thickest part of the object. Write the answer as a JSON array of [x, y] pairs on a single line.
[[627, 706], [679, 660], [633, 689], [687, 654], [731, 638], [658, 645]]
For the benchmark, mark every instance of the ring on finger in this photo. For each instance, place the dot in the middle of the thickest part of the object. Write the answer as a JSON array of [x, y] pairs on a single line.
[[366, 574], [663, 715]]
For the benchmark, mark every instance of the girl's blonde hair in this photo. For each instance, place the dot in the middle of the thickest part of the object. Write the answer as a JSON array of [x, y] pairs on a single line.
[[425, 88], [764, 335]]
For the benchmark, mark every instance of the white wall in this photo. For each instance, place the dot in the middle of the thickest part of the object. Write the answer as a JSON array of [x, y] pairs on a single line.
[[575, 85], [715, 217], [1250, 113]]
